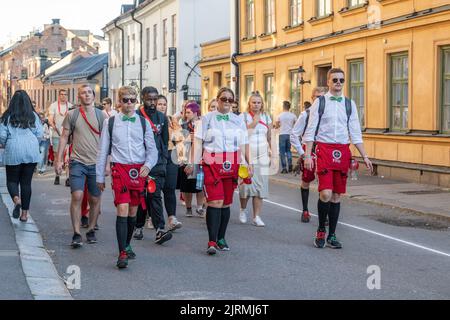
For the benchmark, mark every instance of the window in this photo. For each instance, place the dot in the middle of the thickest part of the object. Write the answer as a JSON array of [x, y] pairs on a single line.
[[446, 90], [129, 50], [323, 8], [399, 92], [43, 52], [356, 87], [268, 93], [269, 12], [295, 13], [250, 19], [147, 44], [356, 3], [249, 86], [133, 49], [155, 42], [174, 31], [295, 92], [165, 37]]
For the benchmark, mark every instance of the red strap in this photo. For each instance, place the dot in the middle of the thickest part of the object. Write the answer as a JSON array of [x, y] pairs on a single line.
[[260, 121], [155, 129], [85, 119], [59, 109]]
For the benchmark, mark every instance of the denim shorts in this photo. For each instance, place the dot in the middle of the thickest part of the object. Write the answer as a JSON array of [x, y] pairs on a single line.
[[79, 174]]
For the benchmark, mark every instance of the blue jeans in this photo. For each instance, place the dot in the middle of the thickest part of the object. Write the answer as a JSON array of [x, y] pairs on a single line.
[[43, 150], [80, 174], [285, 151]]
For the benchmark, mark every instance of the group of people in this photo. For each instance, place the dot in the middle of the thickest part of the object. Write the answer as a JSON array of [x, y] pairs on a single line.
[[149, 155]]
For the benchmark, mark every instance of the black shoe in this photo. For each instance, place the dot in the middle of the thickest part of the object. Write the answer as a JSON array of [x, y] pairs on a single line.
[[319, 241], [333, 243], [284, 171], [162, 237], [16, 212], [85, 222], [56, 183], [223, 245], [67, 182], [139, 234], [122, 262], [96, 228], [77, 241], [90, 236]]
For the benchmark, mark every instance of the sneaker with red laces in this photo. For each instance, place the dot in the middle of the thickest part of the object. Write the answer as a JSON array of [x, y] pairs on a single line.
[[306, 217], [212, 248], [320, 241], [122, 262]]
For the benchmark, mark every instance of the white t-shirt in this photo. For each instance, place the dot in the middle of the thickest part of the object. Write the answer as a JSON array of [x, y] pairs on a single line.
[[112, 113], [287, 122], [222, 135], [59, 114]]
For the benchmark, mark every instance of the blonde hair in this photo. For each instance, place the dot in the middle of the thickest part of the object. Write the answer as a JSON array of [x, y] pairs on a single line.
[[211, 102], [255, 94], [127, 90], [225, 89]]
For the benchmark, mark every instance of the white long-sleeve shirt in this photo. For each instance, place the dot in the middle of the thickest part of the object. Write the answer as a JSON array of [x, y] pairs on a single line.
[[297, 132], [333, 127], [127, 145]]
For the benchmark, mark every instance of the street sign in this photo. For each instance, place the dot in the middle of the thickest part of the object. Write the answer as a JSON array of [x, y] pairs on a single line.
[[172, 70]]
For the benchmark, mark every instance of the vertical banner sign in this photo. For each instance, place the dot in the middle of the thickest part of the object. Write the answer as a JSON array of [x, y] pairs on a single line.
[[172, 70]]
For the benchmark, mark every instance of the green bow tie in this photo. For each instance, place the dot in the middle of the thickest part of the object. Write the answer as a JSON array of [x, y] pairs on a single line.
[[127, 118], [338, 99], [224, 117]]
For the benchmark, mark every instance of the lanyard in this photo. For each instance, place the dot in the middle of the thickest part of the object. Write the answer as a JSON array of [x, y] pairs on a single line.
[[260, 121], [59, 109], [85, 119], [155, 129]]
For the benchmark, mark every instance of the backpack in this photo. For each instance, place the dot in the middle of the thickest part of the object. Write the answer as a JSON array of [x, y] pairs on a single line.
[[348, 109], [74, 118], [111, 127]]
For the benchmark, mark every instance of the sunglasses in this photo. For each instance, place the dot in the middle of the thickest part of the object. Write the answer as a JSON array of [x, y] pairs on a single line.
[[230, 100], [129, 100], [342, 81]]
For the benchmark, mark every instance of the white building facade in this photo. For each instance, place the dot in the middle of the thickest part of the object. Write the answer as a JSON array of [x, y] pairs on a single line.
[[140, 38]]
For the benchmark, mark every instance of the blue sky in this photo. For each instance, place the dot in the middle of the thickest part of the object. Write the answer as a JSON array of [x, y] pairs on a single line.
[[20, 17]]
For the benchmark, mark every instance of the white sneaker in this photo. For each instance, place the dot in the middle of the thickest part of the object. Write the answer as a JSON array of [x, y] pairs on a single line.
[[258, 222], [201, 212], [150, 224], [175, 224], [243, 216]]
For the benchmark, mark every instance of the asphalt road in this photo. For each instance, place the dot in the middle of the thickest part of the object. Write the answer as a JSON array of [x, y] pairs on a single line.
[[276, 262]]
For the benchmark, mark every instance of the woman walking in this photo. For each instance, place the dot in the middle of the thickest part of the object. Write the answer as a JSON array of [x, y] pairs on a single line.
[[20, 133], [259, 127], [221, 139], [44, 144]]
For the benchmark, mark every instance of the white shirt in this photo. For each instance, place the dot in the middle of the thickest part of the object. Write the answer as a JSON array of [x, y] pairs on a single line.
[[222, 136], [297, 132], [287, 121], [258, 135], [127, 145], [59, 115], [112, 113], [333, 127]]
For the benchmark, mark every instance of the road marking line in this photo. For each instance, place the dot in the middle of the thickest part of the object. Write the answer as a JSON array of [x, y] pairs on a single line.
[[369, 231]]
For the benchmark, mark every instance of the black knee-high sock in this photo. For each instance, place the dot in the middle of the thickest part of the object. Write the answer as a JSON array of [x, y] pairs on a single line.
[[305, 197], [213, 217], [122, 231], [323, 208], [131, 225], [225, 218], [335, 209]]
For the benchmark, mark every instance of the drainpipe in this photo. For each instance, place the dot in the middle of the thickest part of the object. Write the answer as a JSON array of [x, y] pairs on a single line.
[[123, 51], [235, 44], [140, 48]]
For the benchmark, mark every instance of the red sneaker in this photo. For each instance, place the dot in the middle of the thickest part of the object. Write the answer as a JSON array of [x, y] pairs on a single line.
[[122, 262], [319, 241], [306, 217], [212, 248]]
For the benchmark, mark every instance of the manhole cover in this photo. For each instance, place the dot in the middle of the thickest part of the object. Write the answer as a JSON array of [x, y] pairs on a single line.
[[419, 192]]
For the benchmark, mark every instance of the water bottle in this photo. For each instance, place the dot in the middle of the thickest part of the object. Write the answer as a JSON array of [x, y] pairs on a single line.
[[354, 166], [200, 179], [354, 175]]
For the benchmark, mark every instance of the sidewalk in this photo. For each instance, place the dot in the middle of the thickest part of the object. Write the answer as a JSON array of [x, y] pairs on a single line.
[[422, 199]]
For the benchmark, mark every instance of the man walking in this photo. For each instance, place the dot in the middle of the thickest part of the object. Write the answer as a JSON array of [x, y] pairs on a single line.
[[57, 113], [159, 124], [84, 125], [333, 124], [285, 122], [298, 131], [128, 138]]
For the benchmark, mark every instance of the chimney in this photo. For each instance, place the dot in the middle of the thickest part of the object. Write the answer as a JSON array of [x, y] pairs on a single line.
[[56, 21]]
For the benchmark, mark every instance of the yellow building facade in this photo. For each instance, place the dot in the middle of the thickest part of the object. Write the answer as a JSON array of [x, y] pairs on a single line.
[[396, 55]]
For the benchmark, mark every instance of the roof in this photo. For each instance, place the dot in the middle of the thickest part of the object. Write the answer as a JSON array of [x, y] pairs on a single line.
[[8, 50], [80, 68], [81, 33]]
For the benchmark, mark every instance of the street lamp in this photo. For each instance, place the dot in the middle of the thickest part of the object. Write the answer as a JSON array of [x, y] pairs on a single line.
[[185, 88], [301, 71]]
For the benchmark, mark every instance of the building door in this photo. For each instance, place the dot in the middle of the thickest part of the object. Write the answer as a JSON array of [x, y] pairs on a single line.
[[322, 72]]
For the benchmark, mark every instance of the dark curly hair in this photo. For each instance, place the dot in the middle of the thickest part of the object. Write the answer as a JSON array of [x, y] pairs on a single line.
[[20, 113]]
